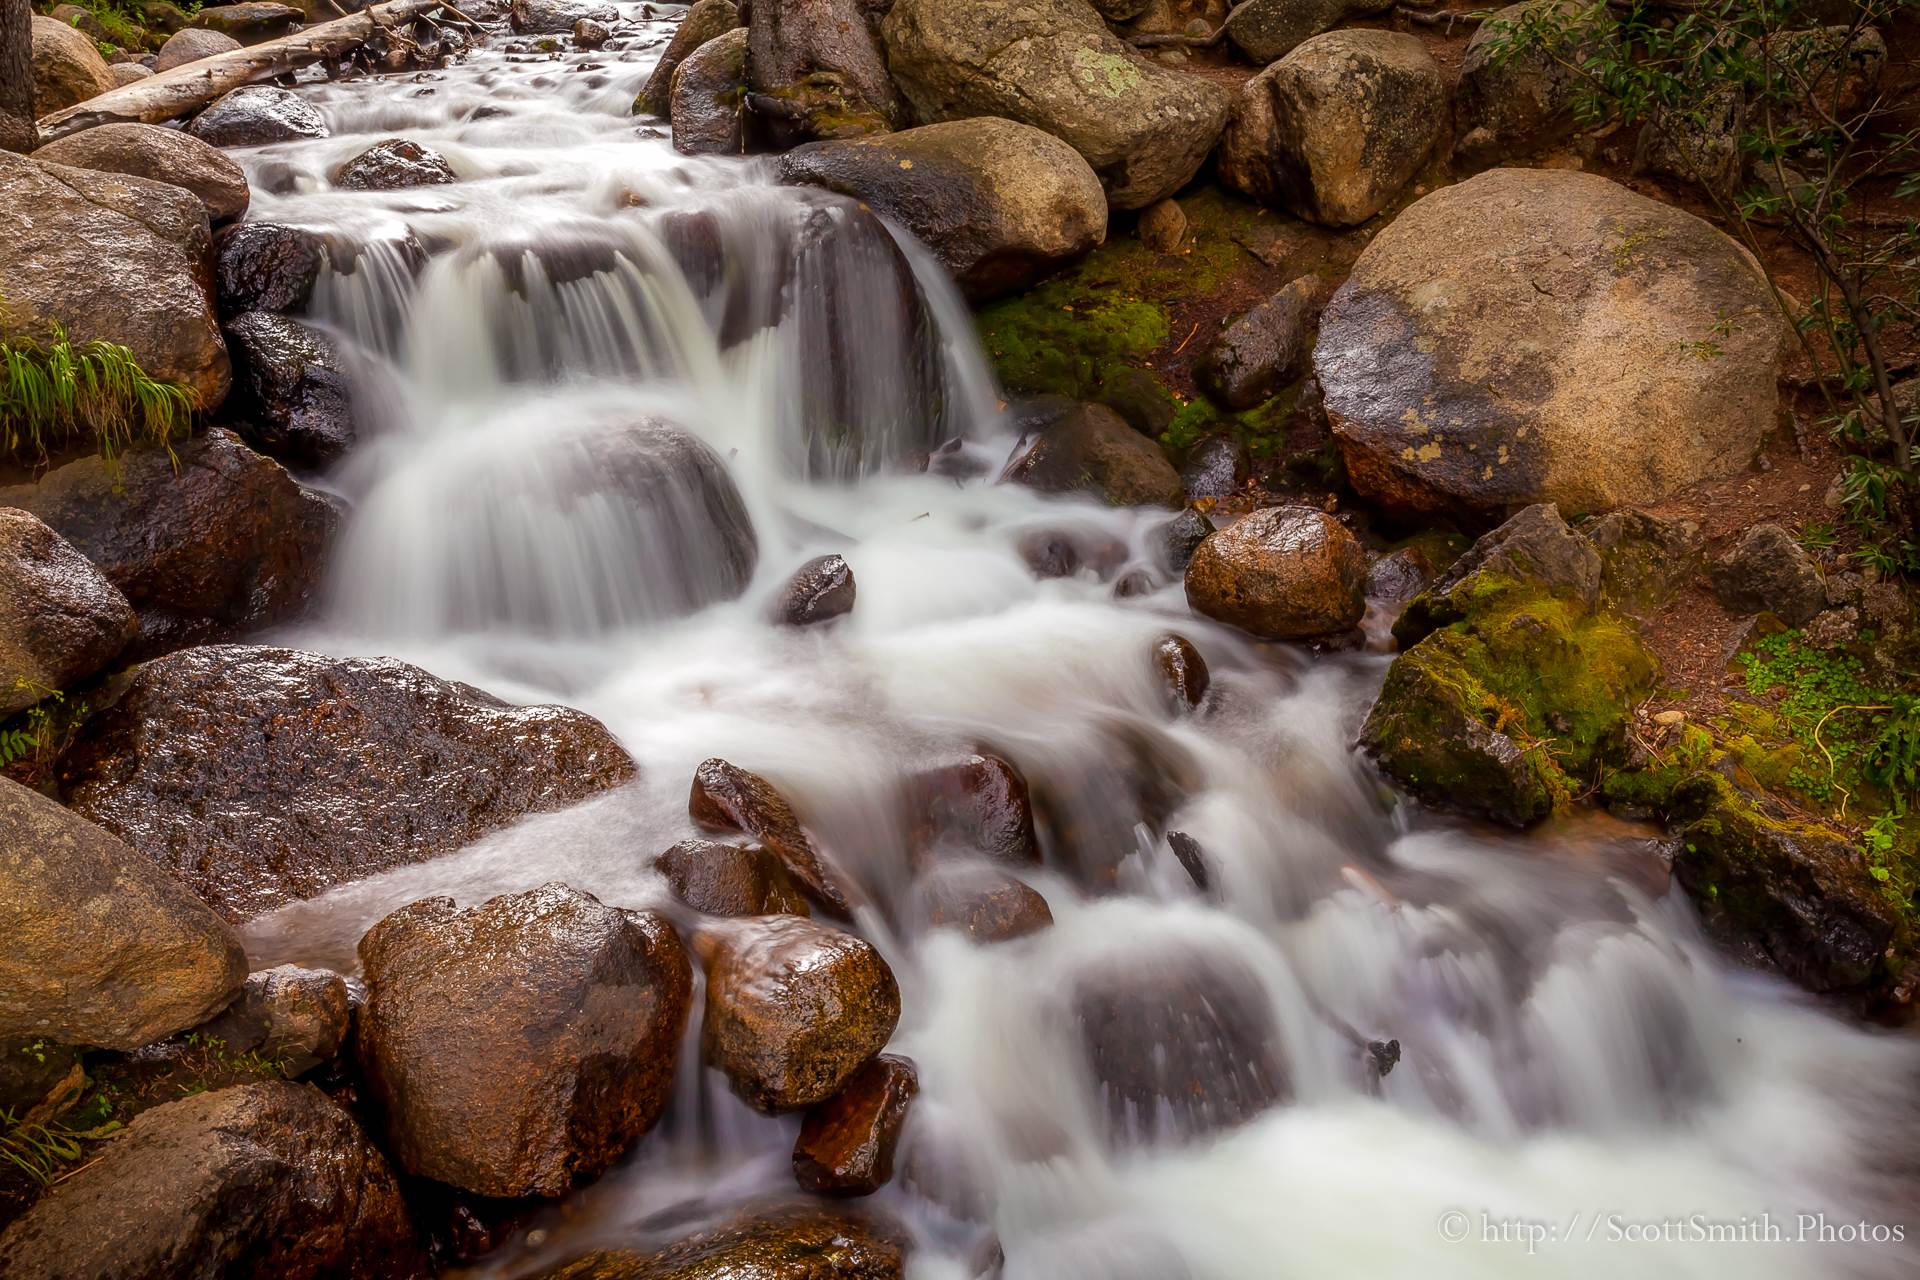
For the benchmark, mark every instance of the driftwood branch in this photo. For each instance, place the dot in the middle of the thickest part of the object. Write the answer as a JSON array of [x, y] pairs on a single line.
[[192, 86]]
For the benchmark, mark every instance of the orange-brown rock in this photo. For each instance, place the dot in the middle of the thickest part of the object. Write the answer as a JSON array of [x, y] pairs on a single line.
[[1183, 672], [726, 797], [846, 1143], [1282, 573], [730, 879], [982, 901], [799, 1242], [977, 806]]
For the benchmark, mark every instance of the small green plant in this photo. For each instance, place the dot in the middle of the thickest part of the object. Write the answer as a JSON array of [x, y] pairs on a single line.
[[54, 391], [38, 729], [41, 1150]]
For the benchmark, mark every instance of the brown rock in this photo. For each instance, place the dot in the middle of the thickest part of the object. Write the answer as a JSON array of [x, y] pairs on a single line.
[[793, 1008], [982, 901], [1263, 351], [1183, 672], [1767, 569], [730, 879], [1282, 573], [846, 1143], [793, 1243], [392, 165], [821, 590], [264, 1179], [704, 102], [103, 948], [164, 155], [60, 619], [293, 387], [67, 69], [210, 543], [822, 60], [703, 21], [191, 45], [250, 23], [728, 798], [1091, 450], [1162, 226], [294, 1016], [591, 1001], [977, 806], [261, 776]]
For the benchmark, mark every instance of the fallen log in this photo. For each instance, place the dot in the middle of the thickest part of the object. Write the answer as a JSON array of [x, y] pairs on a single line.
[[193, 85]]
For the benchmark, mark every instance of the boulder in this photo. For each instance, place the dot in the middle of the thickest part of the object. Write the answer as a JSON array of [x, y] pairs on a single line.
[[1533, 553], [590, 33], [260, 776], [67, 68], [126, 73], [1261, 352], [1644, 558], [255, 115], [1217, 465], [1180, 1044], [103, 947], [267, 1179], [979, 806], [1282, 573], [704, 102], [1336, 129], [1268, 30], [703, 21], [267, 266], [393, 164], [555, 17], [251, 23], [211, 543], [790, 1243], [726, 797], [1091, 450], [821, 590], [291, 389], [821, 61], [1000, 203], [61, 620], [793, 1009], [1162, 226], [192, 44], [1145, 129], [592, 1001], [164, 155], [143, 251], [1183, 672], [1768, 569], [292, 1016], [1510, 102], [730, 879], [1546, 336], [982, 901], [846, 1143]]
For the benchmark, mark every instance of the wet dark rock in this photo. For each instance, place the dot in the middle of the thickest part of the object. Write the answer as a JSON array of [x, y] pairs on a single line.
[[555, 17], [1183, 672], [846, 1143], [1192, 859], [704, 102], [1257, 355], [1162, 226], [793, 1243], [703, 21], [728, 798], [192, 44], [292, 389], [1091, 450], [142, 249], [296, 1017], [1064, 553], [1268, 30], [1769, 570], [821, 590], [978, 806], [1217, 466], [730, 879], [392, 165], [257, 114], [1282, 573], [1801, 891], [261, 776], [266, 1179], [213, 542], [592, 1000], [1398, 577], [793, 1009], [982, 901], [1181, 1045], [103, 947], [1179, 538], [1384, 1056], [1534, 552], [61, 620], [267, 266], [999, 203], [250, 23], [163, 155]]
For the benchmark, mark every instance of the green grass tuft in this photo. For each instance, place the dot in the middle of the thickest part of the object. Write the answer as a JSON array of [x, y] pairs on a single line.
[[55, 392]]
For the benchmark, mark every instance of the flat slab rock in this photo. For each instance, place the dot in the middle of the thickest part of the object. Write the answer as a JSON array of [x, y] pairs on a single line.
[[260, 776]]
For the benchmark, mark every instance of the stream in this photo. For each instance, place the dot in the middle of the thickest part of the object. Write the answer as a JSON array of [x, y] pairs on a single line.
[[1585, 1087]]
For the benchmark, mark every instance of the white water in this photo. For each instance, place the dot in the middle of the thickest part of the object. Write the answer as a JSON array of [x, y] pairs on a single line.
[[1573, 1049]]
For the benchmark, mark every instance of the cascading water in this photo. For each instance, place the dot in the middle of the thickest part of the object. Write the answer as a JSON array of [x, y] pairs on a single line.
[[612, 397]]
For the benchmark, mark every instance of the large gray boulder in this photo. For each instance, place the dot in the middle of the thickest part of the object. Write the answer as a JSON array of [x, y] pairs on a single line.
[[703, 21], [60, 619], [1336, 129], [260, 776], [67, 69], [1053, 64], [267, 1179], [1268, 30], [1546, 336], [143, 252], [103, 947], [821, 61], [164, 155], [704, 103], [999, 202]]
